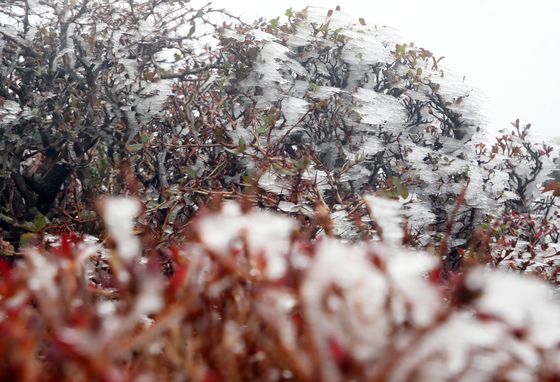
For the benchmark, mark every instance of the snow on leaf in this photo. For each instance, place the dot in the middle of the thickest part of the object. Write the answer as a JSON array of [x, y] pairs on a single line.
[[378, 109], [514, 323], [11, 111], [43, 274], [150, 300], [387, 215], [294, 108], [345, 297], [271, 182], [340, 287], [323, 92], [119, 214], [522, 303], [265, 233]]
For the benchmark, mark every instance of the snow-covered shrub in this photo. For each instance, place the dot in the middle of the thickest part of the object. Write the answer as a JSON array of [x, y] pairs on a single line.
[[321, 118], [107, 98], [527, 235], [113, 98], [250, 297], [84, 91], [347, 108]]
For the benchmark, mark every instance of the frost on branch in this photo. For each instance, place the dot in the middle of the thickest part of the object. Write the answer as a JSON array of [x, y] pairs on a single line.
[[527, 236], [319, 110], [351, 109], [86, 88], [393, 123]]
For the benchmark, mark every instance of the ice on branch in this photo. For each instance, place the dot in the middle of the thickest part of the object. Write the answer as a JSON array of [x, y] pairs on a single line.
[[358, 107]]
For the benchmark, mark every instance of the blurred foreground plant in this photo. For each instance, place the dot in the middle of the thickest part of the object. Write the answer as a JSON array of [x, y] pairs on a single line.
[[249, 297]]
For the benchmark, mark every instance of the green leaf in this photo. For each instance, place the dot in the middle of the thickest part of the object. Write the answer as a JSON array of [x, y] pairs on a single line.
[[302, 163], [389, 194], [313, 86], [40, 222], [274, 23], [27, 239], [362, 21], [404, 192], [241, 145], [135, 147], [289, 12], [191, 172], [6, 218], [146, 138]]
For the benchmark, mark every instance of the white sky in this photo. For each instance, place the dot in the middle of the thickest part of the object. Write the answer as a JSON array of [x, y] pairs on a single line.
[[508, 49]]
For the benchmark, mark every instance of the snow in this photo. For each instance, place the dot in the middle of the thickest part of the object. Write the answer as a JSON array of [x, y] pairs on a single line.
[[10, 111], [295, 208], [379, 109], [271, 182], [150, 300], [43, 277], [119, 214], [293, 109], [264, 232], [152, 98], [324, 92], [386, 214], [354, 316], [146, 28], [371, 300], [521, 303], [349, 78], [346, 300], [466, 348]]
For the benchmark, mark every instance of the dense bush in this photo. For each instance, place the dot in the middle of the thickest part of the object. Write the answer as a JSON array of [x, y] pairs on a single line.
[[365, 204], [112, 98], [87, 91]]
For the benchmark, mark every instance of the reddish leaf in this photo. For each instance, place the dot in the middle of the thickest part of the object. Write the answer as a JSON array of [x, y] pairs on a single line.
[[65, 249], [554, 187], [5, 270], [261, 261], [435, 275], [211, 377], [178, 279], [378, 263], [338, 353]]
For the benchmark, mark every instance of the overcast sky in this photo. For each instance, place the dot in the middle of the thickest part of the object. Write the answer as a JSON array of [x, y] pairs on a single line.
[[508, 49]]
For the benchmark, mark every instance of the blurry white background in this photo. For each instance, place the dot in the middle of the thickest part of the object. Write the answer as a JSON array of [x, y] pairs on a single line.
[[509, 50]]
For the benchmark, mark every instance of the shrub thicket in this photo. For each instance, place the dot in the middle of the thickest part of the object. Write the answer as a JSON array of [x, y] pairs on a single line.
[[396, 200], [250, 297]]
